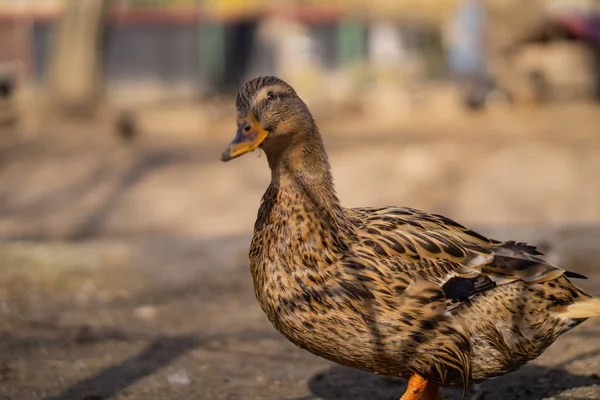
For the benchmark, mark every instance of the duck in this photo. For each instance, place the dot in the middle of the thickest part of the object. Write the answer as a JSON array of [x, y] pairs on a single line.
[[389, 290]]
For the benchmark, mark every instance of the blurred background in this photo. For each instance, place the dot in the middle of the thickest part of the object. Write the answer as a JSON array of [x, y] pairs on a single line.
[[123, 239]]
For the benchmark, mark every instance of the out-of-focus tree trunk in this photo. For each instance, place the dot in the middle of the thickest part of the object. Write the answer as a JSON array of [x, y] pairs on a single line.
[[74, 79]]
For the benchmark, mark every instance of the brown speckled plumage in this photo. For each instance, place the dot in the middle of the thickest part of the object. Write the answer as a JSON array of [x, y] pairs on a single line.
[[391, 290]]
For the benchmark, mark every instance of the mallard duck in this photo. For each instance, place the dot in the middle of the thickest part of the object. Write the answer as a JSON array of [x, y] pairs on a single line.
[[389, 290]]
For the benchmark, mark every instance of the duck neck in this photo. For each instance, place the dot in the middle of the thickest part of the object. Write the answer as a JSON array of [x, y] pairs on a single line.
[[301, 177]]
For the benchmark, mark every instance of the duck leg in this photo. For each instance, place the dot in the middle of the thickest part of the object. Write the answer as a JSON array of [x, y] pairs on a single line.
[[432, 392], [416, 387]]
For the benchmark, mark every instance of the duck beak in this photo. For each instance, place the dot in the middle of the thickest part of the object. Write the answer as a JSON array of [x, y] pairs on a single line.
[[248, 137]]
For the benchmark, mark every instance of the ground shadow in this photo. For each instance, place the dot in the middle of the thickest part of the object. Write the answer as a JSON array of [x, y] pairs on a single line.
[[114, 379], [530, 383], [160, 352]]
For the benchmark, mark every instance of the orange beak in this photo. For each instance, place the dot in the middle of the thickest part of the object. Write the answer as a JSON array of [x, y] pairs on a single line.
[[248, 137]]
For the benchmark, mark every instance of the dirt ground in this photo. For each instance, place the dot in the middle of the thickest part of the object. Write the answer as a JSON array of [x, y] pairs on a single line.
[[177, 319], [124, 265]]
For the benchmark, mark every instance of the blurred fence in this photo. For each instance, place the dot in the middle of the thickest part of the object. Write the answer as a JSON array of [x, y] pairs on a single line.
[[212, 45], [188, 41]]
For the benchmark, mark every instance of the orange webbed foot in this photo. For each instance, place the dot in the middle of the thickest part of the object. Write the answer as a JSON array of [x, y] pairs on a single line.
[[418, 388]]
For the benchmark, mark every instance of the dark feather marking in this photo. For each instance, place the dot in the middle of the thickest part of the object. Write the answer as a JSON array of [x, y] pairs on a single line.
[[357, 292], [407, 243], [427, 243], [401, 211], [462, 289], [373, 231], [575, 275], [452, 249], [414, 223], [385, 227], [518, 264], [418, 337], [365, 278], [522, 247], [395, 245], [354, 265], [376, 247], [479, 236]]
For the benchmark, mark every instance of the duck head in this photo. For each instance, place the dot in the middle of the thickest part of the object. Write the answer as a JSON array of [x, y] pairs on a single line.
[[269, 116]]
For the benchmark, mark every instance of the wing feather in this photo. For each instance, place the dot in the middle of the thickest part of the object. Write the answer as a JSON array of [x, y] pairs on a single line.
[[461, 261]]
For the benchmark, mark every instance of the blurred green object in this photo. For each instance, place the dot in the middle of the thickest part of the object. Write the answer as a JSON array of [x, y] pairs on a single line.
[[351, 41], [211, 40]]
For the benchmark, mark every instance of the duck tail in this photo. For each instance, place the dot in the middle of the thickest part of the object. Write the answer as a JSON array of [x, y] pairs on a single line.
[[588, 308]]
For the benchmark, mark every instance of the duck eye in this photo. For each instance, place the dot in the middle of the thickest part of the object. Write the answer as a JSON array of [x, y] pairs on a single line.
[[270, 96]]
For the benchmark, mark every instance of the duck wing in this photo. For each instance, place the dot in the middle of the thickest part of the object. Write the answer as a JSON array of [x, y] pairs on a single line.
[[435, 248]]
